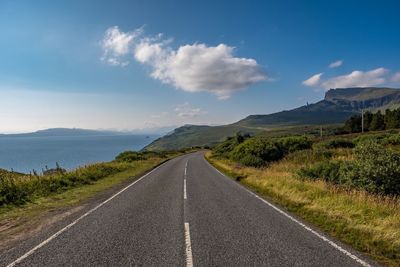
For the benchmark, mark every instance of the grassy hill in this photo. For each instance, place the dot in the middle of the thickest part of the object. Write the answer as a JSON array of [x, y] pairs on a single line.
[[337, 106]]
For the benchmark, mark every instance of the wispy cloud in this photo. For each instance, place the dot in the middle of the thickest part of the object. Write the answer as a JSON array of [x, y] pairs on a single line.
[[313, 80], [336, 64], [117, 44], [187, 111], [191, 67]]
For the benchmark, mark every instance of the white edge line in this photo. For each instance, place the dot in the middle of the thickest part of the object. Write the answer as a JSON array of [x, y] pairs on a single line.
[[184, 189], [30, 252], [189, 256], [330, 242]]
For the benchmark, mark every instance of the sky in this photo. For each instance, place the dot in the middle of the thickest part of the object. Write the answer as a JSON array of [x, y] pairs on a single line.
[[126, 65]]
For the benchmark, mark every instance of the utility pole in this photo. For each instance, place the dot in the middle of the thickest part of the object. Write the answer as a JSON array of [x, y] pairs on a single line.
[[320, 131], [362, 120]]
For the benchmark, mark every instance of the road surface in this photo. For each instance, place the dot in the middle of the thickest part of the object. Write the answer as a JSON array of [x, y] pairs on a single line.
[[183, 213]]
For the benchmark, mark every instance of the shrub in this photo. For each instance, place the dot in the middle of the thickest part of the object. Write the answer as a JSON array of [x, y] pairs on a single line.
[[129, 156], [10, 192], [338, 143], [20, 189], [375, 169], [294, 143], [255, 151], [309, 156], [225, 148], [393, 139], [370, 138], [327, 170]]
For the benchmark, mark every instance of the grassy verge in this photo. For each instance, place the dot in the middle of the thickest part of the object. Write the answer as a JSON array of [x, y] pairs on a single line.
[[369, 223], [19, 220]]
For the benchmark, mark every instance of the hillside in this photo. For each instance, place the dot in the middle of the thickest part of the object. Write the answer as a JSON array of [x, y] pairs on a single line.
[[337, 106]]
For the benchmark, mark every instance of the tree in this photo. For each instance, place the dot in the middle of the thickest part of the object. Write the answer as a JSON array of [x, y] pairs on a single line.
[[353, 125], [392, 119], [377, 122], [367, 120]]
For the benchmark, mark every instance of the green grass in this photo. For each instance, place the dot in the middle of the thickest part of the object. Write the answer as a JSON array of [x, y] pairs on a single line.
[[369, 223]]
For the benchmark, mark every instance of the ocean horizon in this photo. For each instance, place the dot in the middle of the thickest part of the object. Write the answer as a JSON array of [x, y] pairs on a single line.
[[25, 154]]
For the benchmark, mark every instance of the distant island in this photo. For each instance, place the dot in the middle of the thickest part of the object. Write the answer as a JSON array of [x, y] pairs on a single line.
[[65, 132], [89, 132]]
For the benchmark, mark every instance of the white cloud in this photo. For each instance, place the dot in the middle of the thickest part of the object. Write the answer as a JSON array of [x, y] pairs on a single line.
[[187, 111], [314, 80], [117, 44], [336, 64], [199, 67], [396, 77], [192, 68], [357, 79]]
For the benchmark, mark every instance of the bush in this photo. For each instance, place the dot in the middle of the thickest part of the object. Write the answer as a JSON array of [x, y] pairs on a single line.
[[309, 156], [294, 143], [225, 148], [326, 170], [338, 143], [10, 192], [375, 169], [20, 189], [377, 138], [393, 139], [255, 151], [129, 156]]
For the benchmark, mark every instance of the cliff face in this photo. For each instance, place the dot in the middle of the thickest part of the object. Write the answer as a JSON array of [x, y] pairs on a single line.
[[352, 99]]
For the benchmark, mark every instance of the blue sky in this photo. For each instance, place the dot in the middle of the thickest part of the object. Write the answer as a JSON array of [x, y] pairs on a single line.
[[103, 64]]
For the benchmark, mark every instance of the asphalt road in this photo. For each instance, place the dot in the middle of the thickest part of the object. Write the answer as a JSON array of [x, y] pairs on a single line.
[[184, 213]]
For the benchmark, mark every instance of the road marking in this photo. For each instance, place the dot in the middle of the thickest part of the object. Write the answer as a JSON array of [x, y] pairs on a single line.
[[186, 168], [330, 242], [30, 252], [189, 256], [184, 189]]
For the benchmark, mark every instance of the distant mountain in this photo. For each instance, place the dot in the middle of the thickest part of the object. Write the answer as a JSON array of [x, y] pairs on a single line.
[[337, 106], [63, 132]]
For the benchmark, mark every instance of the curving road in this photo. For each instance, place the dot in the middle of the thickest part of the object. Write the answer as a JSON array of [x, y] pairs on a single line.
[[183, 213]]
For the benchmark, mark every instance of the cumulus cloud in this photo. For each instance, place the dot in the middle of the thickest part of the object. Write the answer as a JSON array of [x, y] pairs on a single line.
[[314, 80], [199, 67], [187, 111], [357, 79], [117, 44], [336, 64], [396, 77], [192, 67]]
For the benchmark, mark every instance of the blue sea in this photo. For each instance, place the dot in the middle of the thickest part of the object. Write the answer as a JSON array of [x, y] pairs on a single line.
[[23, 154]]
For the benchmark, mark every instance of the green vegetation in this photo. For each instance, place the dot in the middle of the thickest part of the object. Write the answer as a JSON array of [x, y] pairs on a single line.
[[18, 189], [337, 143], [374, 121], [260, 150], [349, 186], [374, 169]]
